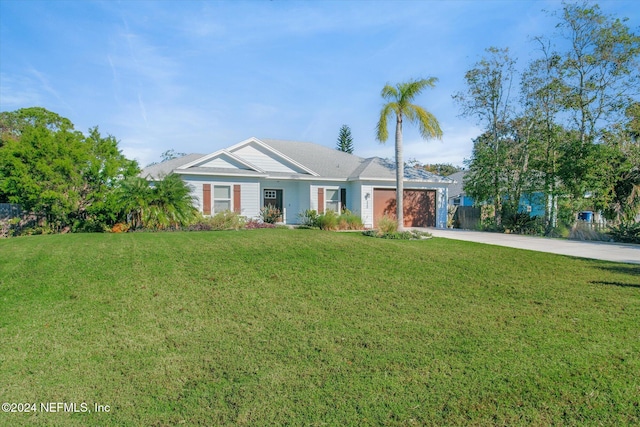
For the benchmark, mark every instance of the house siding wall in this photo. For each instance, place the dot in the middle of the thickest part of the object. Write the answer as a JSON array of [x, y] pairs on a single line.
[[249, 192], [295, 197], [260, 158]]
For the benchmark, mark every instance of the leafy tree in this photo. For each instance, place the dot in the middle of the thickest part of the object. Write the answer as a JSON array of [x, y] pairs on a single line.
[[168, 155], [444, 169], [488, 98], [56, 172], [400, 104], [345, 140], [599, 73], [599, 69], [542, 92]]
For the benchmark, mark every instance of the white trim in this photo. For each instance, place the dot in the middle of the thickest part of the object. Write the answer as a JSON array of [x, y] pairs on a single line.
[[205, 173], [220, 153]]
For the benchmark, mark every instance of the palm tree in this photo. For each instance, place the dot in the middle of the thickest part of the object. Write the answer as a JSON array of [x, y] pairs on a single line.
[[168, 203], [399, 103]]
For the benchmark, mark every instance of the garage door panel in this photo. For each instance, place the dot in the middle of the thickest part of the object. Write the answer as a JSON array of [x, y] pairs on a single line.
[[419, 206]]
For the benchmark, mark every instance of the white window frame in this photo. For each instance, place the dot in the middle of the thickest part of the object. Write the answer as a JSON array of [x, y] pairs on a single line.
[[326, 200], [215, 199]]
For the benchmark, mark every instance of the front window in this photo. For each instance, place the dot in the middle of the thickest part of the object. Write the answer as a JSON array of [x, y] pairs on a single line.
[[332, 202], [221, 198]]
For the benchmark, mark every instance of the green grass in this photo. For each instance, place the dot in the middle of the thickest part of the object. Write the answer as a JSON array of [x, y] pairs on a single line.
[[303, 327]]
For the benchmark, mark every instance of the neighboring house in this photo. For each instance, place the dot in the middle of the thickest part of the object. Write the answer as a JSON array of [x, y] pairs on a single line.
[[533, 203], [297, 176], [457, 196]]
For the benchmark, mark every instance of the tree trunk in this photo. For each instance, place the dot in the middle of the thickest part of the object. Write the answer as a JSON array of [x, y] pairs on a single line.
[[399, 175]]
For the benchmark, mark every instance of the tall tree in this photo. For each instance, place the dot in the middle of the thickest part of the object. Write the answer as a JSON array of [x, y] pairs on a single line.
[[542, 92], [345, 140], [400, 103], [599, 70], [488, 98], [56, 172]]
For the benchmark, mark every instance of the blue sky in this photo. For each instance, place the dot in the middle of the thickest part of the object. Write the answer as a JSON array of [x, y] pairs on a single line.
[[198, 76]]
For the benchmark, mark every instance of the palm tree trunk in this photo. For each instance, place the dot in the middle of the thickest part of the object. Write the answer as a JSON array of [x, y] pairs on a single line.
[[399, 175]]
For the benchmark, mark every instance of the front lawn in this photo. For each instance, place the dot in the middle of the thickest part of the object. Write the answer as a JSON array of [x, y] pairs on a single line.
[[304, 327]]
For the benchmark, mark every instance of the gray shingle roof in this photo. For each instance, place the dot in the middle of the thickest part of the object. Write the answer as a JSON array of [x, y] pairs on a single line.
[[327, 162], [165, 168], [456, 190]]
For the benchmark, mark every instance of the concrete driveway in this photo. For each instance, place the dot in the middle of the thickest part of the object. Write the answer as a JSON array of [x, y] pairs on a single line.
[[616, 252]]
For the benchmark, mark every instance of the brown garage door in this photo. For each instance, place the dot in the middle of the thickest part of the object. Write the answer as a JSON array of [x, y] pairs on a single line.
[[419, 206]]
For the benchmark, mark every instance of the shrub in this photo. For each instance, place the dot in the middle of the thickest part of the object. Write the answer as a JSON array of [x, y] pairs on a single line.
[[349, 221], [120, 228], [225, 220], [270, 214], [309, 218], [626, 233], [523, 223], [398, 235], [328, 221], [387, 225], [253, 224]]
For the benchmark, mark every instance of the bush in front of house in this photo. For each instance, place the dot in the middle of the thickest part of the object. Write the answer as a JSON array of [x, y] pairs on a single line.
[[349, 221], [253, 224], [328, 221], [398, 235], [309, 218], [225, 220], [270, 214]]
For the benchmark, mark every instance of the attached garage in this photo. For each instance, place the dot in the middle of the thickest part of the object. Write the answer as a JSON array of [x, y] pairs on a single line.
[[419, 206]]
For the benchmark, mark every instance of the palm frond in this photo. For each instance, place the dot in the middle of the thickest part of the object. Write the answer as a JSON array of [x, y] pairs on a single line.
[[409, 90], [426, 121], [382, 133], [389, 92]]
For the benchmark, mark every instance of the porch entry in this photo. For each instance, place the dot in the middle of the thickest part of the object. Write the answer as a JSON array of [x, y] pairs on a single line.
[[273, 198]]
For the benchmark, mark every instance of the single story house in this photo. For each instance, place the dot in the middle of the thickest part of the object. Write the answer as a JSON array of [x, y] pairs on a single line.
[[457, 195], [297, 176]]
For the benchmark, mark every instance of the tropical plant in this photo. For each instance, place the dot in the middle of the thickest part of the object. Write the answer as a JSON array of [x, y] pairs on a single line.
[[270, 214], [167, 203], [400, 103], [309, 218]]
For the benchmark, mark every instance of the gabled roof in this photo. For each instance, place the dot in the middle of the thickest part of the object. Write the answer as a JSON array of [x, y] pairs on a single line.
[[456, 189], [165, 168], [275, 158], [220, 159]]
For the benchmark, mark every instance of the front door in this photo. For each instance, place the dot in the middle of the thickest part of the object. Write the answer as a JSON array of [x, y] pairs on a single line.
[[273, 199]]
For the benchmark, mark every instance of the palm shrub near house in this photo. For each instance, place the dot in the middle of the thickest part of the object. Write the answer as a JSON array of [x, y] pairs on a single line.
[[166, 204]]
